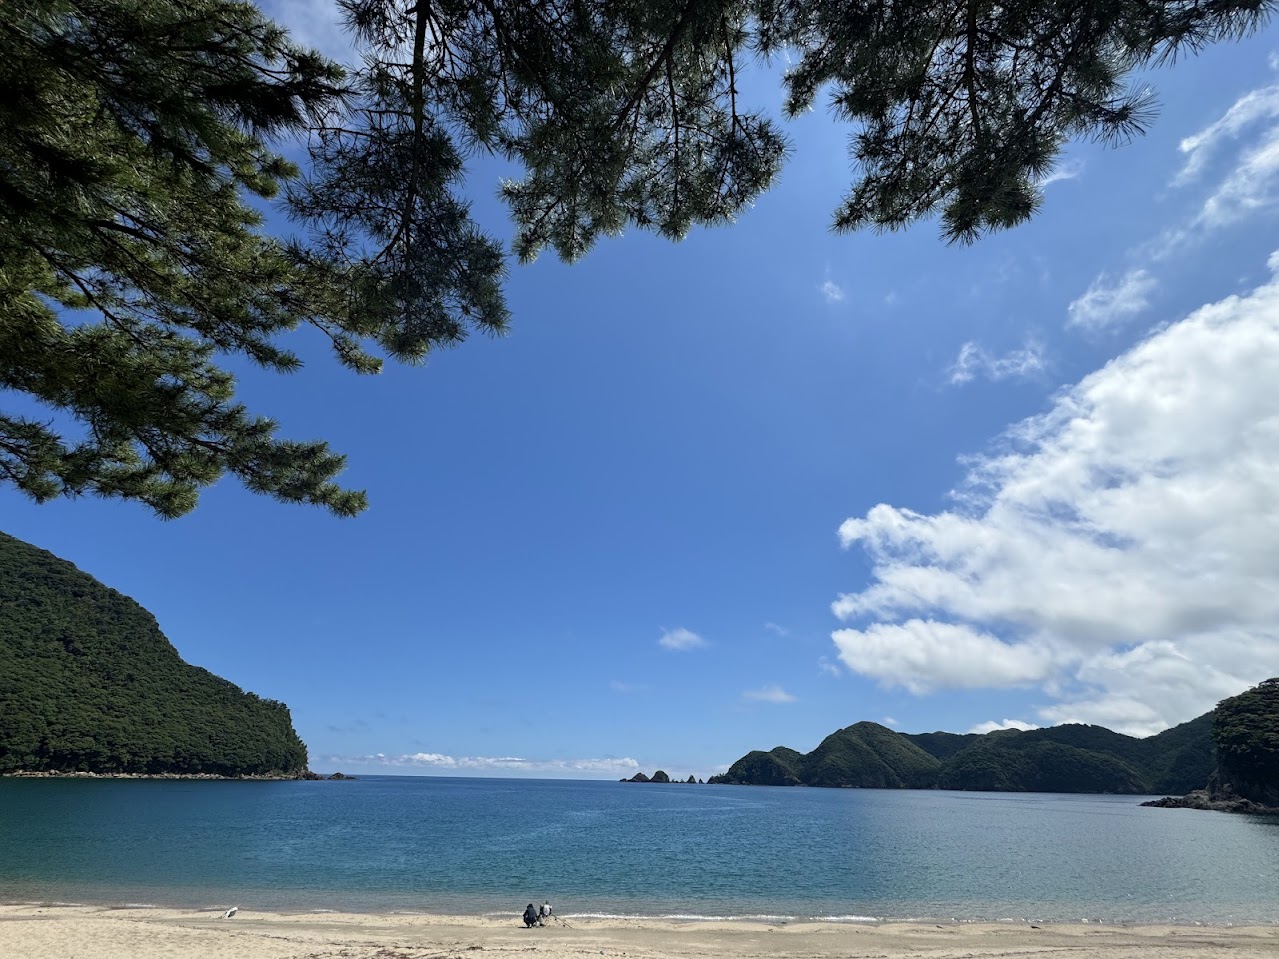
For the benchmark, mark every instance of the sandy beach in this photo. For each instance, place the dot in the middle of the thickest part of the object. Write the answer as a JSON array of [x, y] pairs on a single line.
[[84, 932]]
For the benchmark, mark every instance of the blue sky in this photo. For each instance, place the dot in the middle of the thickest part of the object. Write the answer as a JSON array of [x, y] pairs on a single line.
[[744, 490]]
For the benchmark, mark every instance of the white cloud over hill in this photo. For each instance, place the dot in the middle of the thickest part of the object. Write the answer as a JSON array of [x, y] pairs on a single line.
[[1120, 551]]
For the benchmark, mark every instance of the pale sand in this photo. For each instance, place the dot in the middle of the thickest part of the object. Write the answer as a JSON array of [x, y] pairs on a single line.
[[81, 932]]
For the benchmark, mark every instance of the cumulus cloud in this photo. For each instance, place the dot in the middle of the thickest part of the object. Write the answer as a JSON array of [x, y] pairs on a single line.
[[1109, 302], [832, 291], [680, 639], [769, 694], [973, 361], [442, 761], [924, 655], [1121, 550], [990, 726]]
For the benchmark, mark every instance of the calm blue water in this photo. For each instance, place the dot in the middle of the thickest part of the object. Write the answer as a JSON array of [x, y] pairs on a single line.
[[482, 845]]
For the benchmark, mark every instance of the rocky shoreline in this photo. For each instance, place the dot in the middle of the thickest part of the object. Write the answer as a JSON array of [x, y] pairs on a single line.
[[248, 777], [1202, 799]]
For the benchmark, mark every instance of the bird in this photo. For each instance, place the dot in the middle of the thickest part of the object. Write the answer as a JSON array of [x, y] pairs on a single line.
[[230, 912]]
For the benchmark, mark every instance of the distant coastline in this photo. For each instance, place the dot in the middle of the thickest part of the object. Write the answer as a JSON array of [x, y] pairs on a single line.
[[306, 775]]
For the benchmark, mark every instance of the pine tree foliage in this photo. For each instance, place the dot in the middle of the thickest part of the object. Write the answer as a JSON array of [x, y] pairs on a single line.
[[133, 134], [962, 106], [130, 258]]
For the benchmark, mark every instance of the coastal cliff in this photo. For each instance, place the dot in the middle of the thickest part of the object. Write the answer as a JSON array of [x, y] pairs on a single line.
[[1245, 731], [89, 684], [1069, 758]]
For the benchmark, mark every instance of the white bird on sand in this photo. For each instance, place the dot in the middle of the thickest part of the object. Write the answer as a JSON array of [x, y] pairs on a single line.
[[230, 912]]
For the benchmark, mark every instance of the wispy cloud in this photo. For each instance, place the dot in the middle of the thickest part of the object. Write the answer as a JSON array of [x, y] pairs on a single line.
[[314, 23], [1254, 106], [1251, 187], [1067, 170], [1109, 302], [777, 630], [1245, 185], [424, 760], [889, 721], [620, 687], [832, 291], [828, 667], [974, 362], [771, 693], [680, 639]]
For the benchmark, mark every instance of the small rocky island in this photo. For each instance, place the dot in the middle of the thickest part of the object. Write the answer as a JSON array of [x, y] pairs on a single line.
[[658, 777]]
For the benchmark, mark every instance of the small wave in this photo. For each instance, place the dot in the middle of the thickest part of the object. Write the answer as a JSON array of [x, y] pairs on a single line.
[[850, 918], [44, 903], [679, 917]]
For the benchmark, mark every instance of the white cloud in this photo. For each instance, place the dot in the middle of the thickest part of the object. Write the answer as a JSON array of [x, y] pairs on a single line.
[[1250, 183], [1251, 186], [990, 726], [923, 655], [769, 694], [680, 639], [1255, 105], [973, 361], [889, 721], [1068, 170], [468, 763], [1121, 550], [828, 667], [1108, 303], [777, 630], [314, 23], [833, 292]]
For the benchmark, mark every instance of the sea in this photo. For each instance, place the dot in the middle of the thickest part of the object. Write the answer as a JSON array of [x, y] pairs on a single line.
[[709, 853]]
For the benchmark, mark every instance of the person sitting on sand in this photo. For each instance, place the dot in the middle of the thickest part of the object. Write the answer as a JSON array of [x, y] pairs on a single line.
[[544, 913], [530, 915]]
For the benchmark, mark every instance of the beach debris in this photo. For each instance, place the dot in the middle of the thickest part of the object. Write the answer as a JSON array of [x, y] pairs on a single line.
[[230, 912]]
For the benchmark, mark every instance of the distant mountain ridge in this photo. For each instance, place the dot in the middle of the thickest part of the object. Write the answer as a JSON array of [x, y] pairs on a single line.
[[1069, 758], [88, 683]]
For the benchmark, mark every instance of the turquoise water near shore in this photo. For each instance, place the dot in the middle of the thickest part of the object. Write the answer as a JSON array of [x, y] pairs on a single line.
[[387, 844]]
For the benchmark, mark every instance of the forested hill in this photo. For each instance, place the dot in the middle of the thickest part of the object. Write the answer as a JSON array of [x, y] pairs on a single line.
[[1070, 758], [88, 682]]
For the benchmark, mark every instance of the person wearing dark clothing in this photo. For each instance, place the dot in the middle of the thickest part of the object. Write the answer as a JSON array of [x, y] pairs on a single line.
[[530, 915]]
